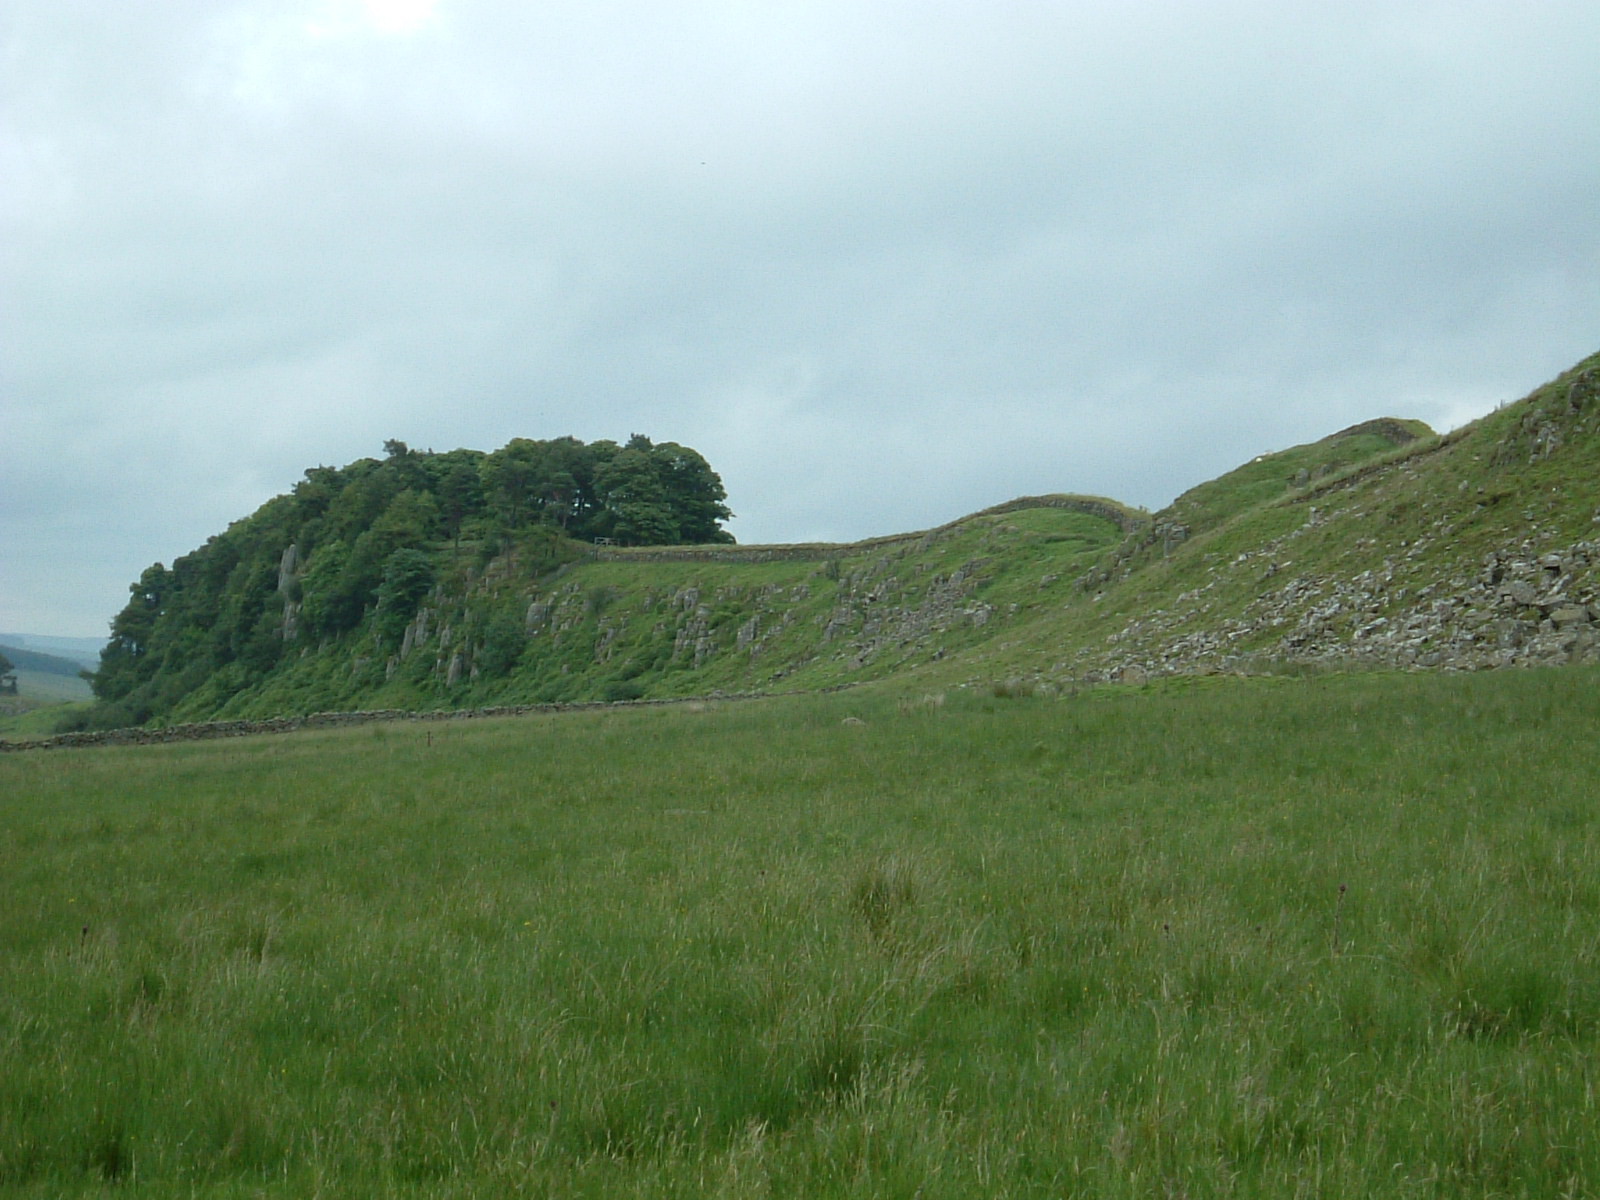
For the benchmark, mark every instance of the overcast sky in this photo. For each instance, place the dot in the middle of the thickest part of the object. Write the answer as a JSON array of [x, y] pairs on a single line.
[[882, 263]]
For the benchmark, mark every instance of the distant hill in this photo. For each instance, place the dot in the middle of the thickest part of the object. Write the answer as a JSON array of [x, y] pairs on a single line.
[[42, 680], [1381, 545], [82, 652], [45, 664]]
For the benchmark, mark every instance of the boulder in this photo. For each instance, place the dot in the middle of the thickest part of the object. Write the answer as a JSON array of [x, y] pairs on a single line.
[[1570, 616]]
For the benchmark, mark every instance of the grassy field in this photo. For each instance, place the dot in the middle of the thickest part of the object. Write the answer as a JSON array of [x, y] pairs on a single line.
[[1325, 937], [23, 717], [48, 688]]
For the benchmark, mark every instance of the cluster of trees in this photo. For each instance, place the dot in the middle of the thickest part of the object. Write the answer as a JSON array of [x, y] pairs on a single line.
[[638, 494], [370, 541]]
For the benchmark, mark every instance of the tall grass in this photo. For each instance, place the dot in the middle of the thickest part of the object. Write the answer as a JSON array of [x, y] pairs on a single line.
[[1338, 936]]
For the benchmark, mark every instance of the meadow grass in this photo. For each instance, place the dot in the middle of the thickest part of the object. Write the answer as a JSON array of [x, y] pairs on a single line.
[[1337, 936], [25, 719]]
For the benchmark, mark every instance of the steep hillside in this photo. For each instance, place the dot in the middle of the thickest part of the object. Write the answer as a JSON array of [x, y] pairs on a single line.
[[621, 624], [1477, 549], [1382, 544]]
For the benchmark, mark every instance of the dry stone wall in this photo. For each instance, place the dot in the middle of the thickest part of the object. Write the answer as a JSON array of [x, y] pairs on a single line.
[[209, 730], [1127, 519]]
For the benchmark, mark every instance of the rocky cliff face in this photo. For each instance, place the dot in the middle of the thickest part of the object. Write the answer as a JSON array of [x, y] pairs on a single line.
[[740, 622], [1526, 606]]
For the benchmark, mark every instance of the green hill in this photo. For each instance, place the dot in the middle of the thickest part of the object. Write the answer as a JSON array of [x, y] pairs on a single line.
[[1472, 550], [1383, 544], [37, 663], [83, 653]]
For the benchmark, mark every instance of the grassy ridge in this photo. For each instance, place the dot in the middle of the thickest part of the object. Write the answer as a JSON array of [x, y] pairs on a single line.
[[1269, 476], [1339, 937], [623, 629]]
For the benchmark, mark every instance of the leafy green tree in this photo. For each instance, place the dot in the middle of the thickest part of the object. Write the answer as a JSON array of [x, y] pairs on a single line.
[[124, 662], [637, 511], [331, 603], [695, 493], [652, 495], [247, 600], [509, 478], [314, 494], [411, 520], [257, 650], [365, 491], [407, 579], [589, 517], [406, 465], [567, 465], [460, 492], [504, 640]]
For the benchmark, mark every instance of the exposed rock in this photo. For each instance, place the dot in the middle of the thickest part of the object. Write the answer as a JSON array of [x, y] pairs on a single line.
[[1522, 608], [1568, 616], [747, 634], [289, 568]]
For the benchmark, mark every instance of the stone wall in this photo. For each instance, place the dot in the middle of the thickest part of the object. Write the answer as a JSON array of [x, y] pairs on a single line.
[[208, 730], [1126, 519]]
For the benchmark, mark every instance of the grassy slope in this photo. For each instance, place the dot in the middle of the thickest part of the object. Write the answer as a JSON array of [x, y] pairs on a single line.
[[51, 686], [44, 682], [674, 628], [41, 700], [48, 687], [1270, 476], [1216, 938]]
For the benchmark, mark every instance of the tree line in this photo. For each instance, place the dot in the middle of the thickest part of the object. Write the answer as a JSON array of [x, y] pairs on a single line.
[[361, 546]]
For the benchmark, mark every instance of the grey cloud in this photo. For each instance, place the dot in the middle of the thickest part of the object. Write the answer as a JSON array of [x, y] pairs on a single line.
[[882, 263]]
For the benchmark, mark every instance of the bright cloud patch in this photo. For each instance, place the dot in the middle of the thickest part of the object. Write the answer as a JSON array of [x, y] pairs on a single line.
[[399, 16]]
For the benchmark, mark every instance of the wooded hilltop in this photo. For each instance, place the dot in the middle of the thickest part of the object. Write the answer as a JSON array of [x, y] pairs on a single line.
[[362, 545]]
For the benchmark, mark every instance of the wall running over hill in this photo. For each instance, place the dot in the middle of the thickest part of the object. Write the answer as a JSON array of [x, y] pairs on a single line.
[[1126, 519]]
